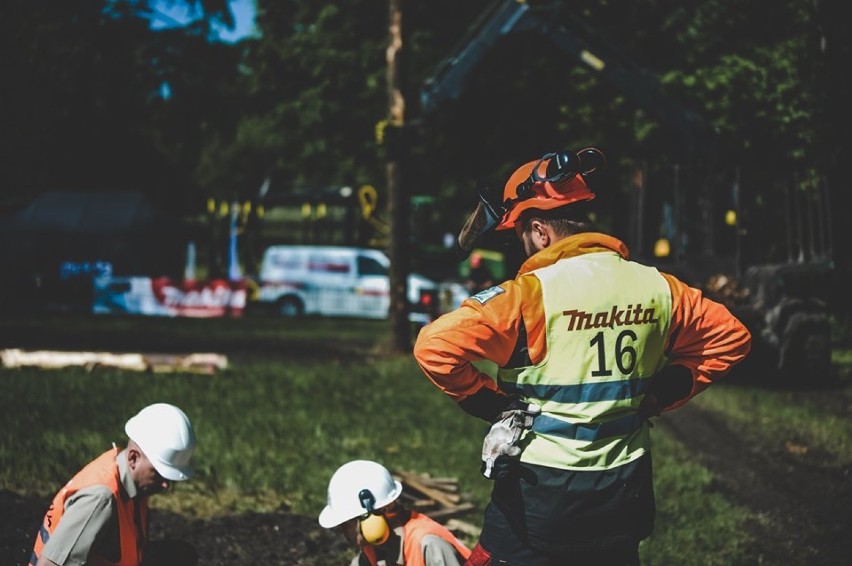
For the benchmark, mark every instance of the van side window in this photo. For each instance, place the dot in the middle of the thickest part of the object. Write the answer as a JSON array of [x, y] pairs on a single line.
[[328, 264], [288, 262], [369, 266]]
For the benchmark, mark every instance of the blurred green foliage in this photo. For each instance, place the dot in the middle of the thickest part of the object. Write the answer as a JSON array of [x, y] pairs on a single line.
[[94, 99]]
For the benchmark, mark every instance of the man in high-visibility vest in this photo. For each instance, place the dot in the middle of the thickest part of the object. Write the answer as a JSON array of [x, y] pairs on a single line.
[[589, 346], [100, 516], [363, 505]]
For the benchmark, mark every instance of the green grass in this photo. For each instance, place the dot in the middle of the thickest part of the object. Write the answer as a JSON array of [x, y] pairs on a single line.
[[692, 520], [263, 428], [796, 415], [299, 399], [786, 418], [271, 429]]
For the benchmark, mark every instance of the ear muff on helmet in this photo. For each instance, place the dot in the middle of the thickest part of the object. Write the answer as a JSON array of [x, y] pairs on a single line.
[[373, 526], [374, 529]]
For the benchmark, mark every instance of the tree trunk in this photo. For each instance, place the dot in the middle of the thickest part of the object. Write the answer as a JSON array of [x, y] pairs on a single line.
[[836, 83], [398, 201]]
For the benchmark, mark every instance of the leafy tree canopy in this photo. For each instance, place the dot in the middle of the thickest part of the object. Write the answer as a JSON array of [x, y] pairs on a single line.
[[93, 98]]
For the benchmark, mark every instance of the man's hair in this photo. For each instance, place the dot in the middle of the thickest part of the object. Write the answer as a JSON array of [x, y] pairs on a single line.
[[565, 220]]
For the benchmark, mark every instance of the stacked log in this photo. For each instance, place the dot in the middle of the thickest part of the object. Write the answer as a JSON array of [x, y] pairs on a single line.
[[437, 497]]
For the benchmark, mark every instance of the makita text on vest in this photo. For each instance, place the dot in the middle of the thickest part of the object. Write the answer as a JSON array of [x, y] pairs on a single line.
[[581, 320]]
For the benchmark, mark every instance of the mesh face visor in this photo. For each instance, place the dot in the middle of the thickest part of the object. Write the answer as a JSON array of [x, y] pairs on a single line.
[[482, 220], [486, 216]]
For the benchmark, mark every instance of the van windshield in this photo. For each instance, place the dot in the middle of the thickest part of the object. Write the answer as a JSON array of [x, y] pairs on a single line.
[[369, 266]]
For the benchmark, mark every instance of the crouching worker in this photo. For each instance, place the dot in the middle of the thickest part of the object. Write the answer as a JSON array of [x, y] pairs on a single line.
[[363, 505], [101, 515]]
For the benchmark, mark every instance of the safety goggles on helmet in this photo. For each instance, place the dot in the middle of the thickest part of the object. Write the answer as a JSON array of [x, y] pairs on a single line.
[[546, 176], [561, 167]]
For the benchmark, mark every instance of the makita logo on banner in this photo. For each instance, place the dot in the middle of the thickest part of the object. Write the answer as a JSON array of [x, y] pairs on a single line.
[[632, 315]]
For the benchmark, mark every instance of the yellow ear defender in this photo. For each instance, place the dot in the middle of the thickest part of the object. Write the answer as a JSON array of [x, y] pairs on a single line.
[[374, 529], [373, 526]]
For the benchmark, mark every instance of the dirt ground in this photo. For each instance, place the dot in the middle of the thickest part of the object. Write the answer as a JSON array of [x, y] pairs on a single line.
[[802, 502], [275, 538]]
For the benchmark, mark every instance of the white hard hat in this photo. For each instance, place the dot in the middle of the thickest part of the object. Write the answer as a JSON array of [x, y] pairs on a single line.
[[346, 486], [164, 433]]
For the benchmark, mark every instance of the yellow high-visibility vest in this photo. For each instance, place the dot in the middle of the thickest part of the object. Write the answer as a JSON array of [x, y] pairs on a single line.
[[607, 320]]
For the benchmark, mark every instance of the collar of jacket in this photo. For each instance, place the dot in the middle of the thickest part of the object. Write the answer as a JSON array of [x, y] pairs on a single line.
[[578, 244]]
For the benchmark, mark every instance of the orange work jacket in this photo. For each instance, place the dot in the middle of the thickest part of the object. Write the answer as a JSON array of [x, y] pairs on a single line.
[[417, 527], [703, 335], [101, 471]]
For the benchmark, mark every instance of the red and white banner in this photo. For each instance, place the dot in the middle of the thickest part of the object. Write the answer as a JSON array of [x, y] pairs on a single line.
[[161, 296]]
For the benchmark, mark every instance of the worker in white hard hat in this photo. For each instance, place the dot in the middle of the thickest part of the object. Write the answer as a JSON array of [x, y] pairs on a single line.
[[101, 515], [364, 506]]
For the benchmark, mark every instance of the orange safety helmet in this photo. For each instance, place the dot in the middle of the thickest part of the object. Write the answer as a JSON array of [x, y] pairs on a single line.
[[530, 187]]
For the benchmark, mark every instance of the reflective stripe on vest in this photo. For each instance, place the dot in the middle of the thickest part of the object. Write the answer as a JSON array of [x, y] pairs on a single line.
[[101, 471], [606, 325]]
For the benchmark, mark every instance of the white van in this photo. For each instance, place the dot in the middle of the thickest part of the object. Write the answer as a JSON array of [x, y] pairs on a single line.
[[336, 281]]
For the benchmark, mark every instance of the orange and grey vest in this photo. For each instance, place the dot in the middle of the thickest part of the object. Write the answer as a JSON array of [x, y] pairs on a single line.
[[607, 320], [417, 527], [101, 471]]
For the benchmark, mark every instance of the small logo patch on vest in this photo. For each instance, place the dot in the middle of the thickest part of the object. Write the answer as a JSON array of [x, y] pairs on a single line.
[[487, 294]]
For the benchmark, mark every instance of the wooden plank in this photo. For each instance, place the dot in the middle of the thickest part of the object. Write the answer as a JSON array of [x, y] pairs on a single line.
[[459, 526], [206, 363], [443, 514], [435, 494]]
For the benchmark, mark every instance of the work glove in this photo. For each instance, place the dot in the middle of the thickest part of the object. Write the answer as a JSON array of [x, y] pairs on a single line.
[[500, 450], [649, 407]]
